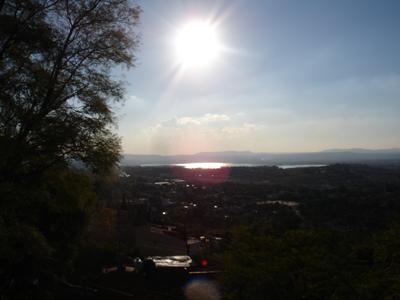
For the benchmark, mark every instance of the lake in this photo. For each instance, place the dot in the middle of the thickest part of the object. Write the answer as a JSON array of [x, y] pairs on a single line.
[[219, 165]]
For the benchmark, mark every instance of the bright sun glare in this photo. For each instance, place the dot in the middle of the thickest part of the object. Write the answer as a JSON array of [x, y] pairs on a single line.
[[197, 44]]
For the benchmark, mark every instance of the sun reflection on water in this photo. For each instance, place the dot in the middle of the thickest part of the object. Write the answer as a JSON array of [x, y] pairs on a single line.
[[204, 165]]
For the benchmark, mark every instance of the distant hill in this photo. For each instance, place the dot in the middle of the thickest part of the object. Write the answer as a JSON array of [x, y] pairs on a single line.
[[361, 150], [247, 157]]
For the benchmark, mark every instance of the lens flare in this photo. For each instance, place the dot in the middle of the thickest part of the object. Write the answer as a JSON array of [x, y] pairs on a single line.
[[201, 290]]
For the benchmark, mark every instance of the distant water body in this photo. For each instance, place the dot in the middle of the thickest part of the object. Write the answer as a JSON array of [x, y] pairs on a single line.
[[219, 165], [300, 166]]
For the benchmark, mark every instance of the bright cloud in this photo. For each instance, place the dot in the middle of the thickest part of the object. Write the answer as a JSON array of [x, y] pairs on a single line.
[[207, 118], [209, 132]]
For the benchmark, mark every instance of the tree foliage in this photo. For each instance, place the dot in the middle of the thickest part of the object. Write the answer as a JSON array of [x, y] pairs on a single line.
[[55, 81], [261, 263], [56, 98]]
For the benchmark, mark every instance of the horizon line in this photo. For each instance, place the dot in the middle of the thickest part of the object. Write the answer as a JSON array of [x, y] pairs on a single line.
[[273, 152]]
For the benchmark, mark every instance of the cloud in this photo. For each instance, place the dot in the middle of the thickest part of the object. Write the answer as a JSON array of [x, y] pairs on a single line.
[[207, 118], [209, 132], [208, 123], [205, 121]]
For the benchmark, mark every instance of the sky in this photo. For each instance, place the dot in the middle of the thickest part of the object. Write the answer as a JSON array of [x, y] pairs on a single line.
[[290, 76]]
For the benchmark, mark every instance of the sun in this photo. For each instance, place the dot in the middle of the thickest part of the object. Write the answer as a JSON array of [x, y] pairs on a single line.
[[197, 44]]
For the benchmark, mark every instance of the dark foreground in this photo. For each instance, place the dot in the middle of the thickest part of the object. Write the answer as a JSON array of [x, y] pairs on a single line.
[[162, 285]]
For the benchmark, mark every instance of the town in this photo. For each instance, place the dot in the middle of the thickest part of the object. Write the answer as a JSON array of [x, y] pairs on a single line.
[[169, 211]]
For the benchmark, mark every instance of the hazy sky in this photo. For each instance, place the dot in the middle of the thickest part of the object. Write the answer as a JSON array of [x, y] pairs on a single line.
[[292, 76]]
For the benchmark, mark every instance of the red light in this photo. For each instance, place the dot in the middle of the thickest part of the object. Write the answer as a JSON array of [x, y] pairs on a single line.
[[204, 262]]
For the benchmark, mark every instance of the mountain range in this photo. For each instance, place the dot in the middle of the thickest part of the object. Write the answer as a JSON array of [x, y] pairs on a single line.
[[354, 155]]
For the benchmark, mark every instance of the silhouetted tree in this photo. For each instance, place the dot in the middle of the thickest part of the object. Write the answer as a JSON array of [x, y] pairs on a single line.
[[260, 263], [56, 96], [55, 81]]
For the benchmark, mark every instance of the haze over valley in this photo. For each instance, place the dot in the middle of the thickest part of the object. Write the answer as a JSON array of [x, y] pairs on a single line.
[[382, 156]]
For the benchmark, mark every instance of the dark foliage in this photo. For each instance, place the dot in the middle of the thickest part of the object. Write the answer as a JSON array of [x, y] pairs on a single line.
[[56, 96], [310, 264], [56, 87]]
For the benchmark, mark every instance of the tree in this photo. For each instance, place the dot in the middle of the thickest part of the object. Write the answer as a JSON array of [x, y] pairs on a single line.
[[56, 97], [261, 263], [56, 86]]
